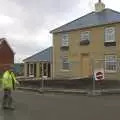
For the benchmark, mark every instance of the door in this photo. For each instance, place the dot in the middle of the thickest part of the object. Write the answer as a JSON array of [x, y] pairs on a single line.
[[85, 65]]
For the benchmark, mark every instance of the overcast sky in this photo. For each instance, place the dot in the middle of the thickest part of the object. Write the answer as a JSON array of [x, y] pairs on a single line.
[[26, 23]]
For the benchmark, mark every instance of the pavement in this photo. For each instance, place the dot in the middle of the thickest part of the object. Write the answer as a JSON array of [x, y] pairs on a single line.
[[35, 106], [73, 91]]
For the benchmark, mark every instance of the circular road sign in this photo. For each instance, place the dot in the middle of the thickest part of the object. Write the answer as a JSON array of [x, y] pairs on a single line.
[[99, 75]]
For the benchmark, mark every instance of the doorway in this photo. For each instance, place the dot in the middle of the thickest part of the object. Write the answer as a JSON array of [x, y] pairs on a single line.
[[86, 71]]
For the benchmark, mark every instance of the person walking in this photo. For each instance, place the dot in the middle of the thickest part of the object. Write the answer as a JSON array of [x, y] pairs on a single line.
[[8, 84]]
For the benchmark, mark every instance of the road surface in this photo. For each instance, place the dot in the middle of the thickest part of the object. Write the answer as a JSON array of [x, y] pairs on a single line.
[[32, 106]]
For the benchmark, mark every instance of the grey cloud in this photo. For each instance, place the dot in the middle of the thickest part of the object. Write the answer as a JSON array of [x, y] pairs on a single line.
[[32, 18], [35, 12]]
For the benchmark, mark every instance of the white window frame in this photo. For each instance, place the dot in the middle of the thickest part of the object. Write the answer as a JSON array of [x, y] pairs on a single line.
[[65, 60], [85, 36], [65, 39], [110, 64], [110, 34]]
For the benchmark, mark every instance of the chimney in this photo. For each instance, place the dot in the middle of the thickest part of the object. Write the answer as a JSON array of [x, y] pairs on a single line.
[[99, 6]]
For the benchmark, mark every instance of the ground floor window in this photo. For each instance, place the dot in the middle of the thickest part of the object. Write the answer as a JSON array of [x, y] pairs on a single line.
[[110, 63], [65, 63]]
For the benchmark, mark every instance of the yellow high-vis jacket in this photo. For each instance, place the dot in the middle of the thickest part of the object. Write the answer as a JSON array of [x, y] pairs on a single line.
[[9, 80]]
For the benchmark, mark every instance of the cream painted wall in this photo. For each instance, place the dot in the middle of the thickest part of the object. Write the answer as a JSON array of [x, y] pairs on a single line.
[[95, 49]]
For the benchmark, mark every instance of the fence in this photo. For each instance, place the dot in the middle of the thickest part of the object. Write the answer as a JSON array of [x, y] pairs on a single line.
[[110, 67], [111, 72]]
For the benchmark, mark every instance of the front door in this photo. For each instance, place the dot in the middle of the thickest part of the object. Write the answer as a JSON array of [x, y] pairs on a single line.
[[85, 65]]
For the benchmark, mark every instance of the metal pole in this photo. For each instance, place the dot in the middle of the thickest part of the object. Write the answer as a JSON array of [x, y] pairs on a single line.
[[42, 83], [93, 82], [93, 78]]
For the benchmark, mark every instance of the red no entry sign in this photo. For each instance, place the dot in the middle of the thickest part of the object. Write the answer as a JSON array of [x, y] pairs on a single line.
[[99, 74]]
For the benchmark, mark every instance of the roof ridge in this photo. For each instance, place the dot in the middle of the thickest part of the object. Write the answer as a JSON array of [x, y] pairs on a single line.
[[113, 10], [71, 25], [73, 21], [37, 53]]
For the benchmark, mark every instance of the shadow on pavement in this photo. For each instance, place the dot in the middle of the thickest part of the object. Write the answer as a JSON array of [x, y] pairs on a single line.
[[9, 115]]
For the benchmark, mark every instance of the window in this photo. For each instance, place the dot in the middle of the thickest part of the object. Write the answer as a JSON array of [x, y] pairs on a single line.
[[65, 63], [110, 34], [85, 36], [110, 63], [65, 40]]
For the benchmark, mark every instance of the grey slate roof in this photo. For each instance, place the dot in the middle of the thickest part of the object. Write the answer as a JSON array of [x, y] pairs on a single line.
[[92, 19], [45, 55]]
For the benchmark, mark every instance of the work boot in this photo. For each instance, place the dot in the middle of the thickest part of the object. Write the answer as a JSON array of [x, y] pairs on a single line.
[[5, 107], [11, 107]]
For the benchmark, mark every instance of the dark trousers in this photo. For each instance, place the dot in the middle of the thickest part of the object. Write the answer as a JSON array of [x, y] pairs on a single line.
[[7, 98]]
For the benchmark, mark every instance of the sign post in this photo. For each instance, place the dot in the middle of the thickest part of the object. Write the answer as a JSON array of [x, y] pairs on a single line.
[[43, 79], [99, 75]]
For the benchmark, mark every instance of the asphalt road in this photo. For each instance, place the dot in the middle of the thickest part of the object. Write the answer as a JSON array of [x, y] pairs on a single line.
[[32, 106]]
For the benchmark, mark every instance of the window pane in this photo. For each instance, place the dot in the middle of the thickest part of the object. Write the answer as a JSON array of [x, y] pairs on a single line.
[[84, 36], [110, 63], [65, 63], [110, 34], [64, 40]]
